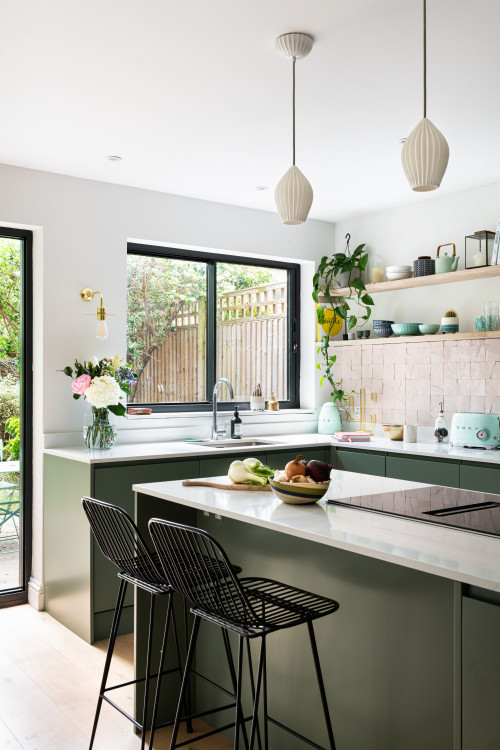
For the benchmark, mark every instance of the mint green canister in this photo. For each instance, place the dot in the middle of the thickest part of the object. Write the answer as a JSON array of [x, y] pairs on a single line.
[[329, 419]]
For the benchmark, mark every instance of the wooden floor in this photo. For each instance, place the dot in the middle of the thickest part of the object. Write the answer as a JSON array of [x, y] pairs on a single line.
[[49, 679]]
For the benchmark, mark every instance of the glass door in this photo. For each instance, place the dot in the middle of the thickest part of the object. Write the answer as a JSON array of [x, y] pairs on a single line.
[[15, 414]]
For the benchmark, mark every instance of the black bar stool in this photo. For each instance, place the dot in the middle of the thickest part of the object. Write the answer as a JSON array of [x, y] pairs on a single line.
[[249, 607], [120, 541]]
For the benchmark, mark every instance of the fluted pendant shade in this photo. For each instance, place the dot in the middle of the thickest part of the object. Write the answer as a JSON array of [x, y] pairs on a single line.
[[425, 157], [293, 196]]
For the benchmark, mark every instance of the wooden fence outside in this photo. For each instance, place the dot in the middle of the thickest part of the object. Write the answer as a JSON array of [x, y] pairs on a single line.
[[251, 348]]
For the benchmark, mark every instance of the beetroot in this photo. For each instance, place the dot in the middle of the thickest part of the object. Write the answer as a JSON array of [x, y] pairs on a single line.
[[318, 470]]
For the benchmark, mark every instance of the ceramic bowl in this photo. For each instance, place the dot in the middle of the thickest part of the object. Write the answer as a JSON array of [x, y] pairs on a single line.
[[300, 493], [406, 329], [394, 276], [394, 431], [428, 328], [398, 269]]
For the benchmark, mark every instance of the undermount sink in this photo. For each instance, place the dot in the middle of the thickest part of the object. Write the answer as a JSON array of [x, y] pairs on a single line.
[[238, 443]]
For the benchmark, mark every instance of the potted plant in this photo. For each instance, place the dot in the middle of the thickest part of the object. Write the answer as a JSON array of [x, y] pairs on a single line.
[[349, 266]]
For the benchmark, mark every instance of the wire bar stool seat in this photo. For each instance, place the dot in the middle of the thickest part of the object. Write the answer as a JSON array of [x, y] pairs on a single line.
[[250, 607]]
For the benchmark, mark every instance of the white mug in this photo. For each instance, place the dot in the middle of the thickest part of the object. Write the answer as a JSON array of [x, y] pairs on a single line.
[[410, 433]]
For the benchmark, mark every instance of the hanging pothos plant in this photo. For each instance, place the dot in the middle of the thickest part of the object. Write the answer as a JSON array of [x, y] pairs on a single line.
[[325, 280]]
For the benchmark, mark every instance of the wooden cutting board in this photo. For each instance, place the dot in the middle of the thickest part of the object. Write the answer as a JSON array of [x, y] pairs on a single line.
[[227, 486]]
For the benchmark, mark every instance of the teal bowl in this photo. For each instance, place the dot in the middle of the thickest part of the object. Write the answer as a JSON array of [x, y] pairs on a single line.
[[428, 329], [406, 329], [299, 494]]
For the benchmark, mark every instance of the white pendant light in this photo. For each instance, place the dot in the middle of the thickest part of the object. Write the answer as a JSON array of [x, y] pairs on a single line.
[[293, 194], [425, 153]]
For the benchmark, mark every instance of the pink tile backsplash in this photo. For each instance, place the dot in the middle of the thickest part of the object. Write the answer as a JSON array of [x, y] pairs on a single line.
[[410, 379]]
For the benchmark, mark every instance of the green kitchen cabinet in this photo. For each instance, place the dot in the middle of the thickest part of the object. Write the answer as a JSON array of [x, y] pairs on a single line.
[[365, 462], [480, 477], [279, 459], [113, 483], [480, 673], [215, 466], [427, 470]]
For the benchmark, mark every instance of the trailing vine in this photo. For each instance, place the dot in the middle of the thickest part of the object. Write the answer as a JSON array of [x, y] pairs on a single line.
[[324, 281]]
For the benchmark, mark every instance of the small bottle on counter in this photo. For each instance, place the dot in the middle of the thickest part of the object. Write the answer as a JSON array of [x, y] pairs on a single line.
[[236, 425], [441, 434]]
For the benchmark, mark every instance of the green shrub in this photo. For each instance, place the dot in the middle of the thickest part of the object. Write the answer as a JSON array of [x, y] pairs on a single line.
[[11, 450], [9, 401]]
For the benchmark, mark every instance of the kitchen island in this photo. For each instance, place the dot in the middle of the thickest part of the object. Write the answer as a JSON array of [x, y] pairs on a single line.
[[412, 657]]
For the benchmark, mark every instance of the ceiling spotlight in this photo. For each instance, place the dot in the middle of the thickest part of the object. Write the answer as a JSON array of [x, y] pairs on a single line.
[[293, 194], [113, 157], [262, 187]]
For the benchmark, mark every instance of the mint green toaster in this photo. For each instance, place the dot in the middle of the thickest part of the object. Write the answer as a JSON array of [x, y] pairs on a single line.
[[470, 430]]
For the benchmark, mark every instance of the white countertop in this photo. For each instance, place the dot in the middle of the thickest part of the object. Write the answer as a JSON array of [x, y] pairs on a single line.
[[462, 556], [433, 450], [181, 449]]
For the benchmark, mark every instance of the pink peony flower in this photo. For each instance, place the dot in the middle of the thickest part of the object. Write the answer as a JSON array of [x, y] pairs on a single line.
[[81, 384]]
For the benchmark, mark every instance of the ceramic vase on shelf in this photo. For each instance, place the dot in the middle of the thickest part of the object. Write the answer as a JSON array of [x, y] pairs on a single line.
[[329, 419], [99, 430]]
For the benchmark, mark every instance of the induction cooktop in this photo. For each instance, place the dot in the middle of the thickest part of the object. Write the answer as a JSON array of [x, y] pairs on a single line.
[[460, 509]]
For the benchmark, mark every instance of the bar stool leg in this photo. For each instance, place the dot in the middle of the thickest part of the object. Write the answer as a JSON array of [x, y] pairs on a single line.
[[160, 670], [148, 671], [252, 687], [235, 682], [321, 685], [111, 645], [264, 693], [255, 716], [185, 680]]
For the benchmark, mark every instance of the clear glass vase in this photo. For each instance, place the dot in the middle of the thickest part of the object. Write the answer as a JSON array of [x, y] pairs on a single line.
[[99, 430]]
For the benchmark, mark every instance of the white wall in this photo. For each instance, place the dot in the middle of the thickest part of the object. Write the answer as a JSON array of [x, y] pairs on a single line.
[[81, 232], [401, 234]]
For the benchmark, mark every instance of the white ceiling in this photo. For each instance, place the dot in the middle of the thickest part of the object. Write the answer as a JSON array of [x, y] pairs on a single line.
[[194, 98]]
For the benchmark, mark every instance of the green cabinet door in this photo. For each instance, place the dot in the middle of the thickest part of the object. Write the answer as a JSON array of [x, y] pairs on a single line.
[[365, 462], [113, 483], [425, 470], [215, 466], [480, 675], [279, 459], [480, 477]]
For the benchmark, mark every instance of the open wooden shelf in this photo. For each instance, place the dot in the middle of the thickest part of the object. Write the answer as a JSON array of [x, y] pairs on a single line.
[[467, 274], [413, 339]]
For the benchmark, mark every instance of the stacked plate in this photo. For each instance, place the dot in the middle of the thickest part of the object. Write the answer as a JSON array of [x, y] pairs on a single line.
[[398, 272]]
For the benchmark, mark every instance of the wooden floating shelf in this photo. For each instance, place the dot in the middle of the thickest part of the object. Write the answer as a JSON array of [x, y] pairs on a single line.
[[467, 274], [412, 339]]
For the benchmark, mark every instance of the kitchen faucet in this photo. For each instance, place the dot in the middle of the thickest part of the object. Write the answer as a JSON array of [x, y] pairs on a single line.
[[218, 434]]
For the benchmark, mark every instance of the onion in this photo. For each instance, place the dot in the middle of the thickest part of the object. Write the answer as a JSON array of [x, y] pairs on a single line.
[[295, 467]]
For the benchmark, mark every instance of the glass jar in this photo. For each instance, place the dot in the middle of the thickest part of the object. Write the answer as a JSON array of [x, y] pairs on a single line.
[[375, 269], [99, 430], [491, 315]]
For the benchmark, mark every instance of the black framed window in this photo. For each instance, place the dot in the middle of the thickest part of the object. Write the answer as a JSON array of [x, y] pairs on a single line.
[[194, 317], [16, 408]]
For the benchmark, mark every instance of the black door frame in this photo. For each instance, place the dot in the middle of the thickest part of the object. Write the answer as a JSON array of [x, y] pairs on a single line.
[[19, 594]]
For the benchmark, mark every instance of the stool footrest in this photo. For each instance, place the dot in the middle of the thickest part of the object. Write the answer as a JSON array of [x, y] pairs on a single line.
[[209, 734], [295, 734], [140, 679]]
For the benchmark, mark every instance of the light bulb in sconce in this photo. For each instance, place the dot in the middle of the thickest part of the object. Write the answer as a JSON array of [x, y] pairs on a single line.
[[102, 329]]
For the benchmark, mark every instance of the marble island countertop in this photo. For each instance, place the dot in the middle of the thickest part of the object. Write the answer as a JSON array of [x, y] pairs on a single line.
[[462, 556]]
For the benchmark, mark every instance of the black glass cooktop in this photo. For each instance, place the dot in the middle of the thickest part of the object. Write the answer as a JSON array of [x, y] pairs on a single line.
[[461, 509]]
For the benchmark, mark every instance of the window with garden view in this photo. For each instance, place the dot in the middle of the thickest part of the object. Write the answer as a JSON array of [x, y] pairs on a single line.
[[193, 318]]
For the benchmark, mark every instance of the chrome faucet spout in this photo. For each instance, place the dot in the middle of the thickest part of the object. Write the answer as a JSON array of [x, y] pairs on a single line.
[[215, 430]]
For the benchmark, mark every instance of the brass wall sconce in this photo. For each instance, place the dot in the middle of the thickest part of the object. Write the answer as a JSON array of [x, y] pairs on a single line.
[[102, 329]]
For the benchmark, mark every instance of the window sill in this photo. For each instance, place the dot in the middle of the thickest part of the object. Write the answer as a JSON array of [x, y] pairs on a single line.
[[208, 414]]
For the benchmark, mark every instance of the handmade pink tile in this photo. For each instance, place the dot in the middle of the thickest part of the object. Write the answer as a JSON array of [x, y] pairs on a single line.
[[367, 354], [388, 371], [496, 370], [492, 404], [437, 388], [411, 388], [399, 415], [400, 371], [389, 353], [437, 371], [477, 404], [478, 387], [492, 350], [388, 416], [411, 371], [423, 353], [477, 370], [464, 387], [450, 386], [477, 351], [378, 355], [366, 372], [377, 385], [411, 416], [399, 354], [492, 388], [422, 401], [450, 352], [436, 348], [378, 371], [423, 386], [425, 419], [423, 371]]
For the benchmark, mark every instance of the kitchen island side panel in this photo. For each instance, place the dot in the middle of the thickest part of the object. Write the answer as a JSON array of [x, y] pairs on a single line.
[[67, 545]]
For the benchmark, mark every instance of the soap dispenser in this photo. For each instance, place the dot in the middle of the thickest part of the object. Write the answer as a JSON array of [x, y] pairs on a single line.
[[441, 434], [236, 425]]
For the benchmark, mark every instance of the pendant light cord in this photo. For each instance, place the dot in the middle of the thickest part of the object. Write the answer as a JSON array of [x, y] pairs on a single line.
[[425, 58], [293, 113]]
